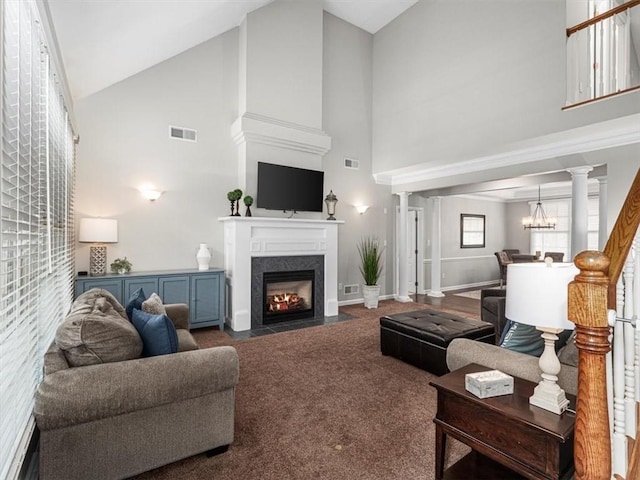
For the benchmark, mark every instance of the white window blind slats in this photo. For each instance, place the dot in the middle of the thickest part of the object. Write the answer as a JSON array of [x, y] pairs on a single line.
[[36, 234]]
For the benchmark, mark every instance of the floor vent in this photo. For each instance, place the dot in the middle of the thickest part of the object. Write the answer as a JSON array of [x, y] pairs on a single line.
[[351, 289], [351, 163], [183, 134]]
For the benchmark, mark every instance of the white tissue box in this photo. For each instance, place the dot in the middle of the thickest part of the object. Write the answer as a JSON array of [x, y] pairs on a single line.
[[488, 384]]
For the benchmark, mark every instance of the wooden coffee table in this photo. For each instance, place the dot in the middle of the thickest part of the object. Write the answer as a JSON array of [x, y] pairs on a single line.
[[503, 431]]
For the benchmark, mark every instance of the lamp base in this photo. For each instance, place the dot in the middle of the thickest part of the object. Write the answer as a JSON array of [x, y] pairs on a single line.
[[97, 260], [553, 400], [548, 394]]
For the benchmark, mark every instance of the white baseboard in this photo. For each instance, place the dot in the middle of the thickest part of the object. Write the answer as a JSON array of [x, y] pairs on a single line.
[[471, 285], [356, 301]]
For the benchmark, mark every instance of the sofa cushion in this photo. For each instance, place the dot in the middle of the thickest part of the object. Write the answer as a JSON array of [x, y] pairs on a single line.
[[94, 332], [569, 353], [135, 301], [154, 305], [158, 333]]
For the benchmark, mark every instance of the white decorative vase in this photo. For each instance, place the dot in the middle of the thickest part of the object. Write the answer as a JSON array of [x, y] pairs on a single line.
[[371, 294], [203, 257]]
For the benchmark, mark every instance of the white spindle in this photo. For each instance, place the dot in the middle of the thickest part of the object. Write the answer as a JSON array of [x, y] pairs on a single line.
[[636, 309], [619, 443], [619, 439], [629, 351]]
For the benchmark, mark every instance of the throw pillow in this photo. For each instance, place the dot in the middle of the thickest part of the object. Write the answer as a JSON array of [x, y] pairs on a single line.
[[135, 301], [154, 305], [97, 333], [528, 339], [159, 336]]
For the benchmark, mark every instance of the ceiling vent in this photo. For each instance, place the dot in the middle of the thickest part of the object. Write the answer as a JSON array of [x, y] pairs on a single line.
[[351, 163], [183, 134]]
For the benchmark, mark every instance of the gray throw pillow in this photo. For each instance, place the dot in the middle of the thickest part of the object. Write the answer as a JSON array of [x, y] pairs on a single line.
[[99, 335], [154, 305]]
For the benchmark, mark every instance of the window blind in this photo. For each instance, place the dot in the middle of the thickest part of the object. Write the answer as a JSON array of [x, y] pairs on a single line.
[[36, 229]]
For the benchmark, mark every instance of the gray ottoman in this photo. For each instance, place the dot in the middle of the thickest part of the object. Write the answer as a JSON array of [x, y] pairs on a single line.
[[421, 338]]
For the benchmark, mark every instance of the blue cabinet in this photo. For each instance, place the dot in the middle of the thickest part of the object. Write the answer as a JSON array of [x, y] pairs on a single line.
[[201, 290]]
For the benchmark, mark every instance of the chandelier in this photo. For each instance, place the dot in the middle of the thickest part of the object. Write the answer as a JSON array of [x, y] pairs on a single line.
[[539, 220]]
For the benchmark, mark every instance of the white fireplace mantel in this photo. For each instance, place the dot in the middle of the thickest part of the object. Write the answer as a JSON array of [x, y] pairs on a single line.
[[247, 237]]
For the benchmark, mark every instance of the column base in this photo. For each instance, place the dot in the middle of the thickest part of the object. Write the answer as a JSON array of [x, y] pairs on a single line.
[[402, 299], [435, 293]]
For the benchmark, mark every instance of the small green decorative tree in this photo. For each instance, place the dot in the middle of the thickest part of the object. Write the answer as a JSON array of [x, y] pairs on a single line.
[[238, 195], [248, 201]]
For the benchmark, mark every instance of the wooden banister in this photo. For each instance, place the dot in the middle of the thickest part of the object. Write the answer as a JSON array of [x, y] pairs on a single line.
[[619, 244], [591, 294], [602, 16]]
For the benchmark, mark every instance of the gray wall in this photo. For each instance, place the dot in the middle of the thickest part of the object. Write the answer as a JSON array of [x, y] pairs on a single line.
[[465, 266], [124, 143], [347, 119], [456, 79], [516, 236]]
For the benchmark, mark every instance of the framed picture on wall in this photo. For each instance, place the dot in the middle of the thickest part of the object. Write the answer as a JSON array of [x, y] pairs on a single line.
[[472, 230]]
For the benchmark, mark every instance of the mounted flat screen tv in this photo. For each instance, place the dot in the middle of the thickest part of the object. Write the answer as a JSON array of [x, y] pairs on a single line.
[[289, 188]]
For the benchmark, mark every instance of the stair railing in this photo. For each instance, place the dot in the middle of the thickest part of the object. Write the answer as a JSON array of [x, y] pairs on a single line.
[[591, 295]]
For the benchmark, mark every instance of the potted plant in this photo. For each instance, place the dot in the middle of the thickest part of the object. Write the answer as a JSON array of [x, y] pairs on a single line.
[[248, 201], [370, 268], [121, 265]]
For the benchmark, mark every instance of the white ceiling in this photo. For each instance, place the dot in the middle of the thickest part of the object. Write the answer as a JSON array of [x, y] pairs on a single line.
[[105, 41]]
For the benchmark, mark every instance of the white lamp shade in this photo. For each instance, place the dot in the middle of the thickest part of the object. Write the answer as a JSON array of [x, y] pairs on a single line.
[[537, 294], [98, 230]]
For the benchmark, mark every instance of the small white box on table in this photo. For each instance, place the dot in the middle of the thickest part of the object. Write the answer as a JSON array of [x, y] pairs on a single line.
[[491, 383]]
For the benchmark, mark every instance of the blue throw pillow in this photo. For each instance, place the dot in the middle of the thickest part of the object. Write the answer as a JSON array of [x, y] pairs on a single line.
[[528, 339], [135, 301], [159, 336]]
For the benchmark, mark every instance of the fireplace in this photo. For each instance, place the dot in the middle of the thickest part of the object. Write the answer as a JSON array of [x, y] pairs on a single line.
[[287, 295]]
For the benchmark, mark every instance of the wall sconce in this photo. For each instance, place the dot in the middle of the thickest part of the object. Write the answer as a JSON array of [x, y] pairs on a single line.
[[150, 193], [361, 208]]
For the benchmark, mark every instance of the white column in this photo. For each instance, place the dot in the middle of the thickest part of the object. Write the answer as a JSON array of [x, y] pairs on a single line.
[[602, 212], [436, 255], [403, 271], [579, 209]]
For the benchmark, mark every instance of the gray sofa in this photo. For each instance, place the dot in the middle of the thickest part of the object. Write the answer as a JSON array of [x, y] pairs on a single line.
[[116, 418], [462, 352]]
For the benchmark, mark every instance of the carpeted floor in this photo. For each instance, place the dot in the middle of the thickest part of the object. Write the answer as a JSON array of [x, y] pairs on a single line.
[[323, 403]]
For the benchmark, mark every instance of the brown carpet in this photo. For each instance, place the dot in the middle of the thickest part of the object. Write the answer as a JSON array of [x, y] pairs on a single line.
[[323, 403]]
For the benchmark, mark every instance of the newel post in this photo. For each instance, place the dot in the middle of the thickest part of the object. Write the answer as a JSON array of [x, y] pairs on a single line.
[[587, 308]]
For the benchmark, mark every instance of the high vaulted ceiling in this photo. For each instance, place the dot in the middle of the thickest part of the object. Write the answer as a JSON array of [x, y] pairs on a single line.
[[105, 41]]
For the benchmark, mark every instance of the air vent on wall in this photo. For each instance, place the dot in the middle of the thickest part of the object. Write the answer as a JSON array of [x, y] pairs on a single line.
[[351, 163], [351, 289], [183, 134]]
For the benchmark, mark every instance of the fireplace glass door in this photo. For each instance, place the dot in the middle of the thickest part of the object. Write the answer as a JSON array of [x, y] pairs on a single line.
[[287, 295]]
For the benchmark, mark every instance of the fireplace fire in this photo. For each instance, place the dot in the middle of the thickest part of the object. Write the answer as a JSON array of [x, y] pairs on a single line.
[[288, 295]]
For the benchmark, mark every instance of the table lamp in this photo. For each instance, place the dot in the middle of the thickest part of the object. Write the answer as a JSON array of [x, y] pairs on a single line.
[[98, 231], [537, 295]]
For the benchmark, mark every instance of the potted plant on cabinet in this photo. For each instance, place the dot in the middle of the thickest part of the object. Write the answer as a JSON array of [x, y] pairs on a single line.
[[121, 265], [370, 268]]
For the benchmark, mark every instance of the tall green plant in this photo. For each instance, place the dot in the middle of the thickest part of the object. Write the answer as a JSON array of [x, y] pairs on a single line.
[[370, 260]]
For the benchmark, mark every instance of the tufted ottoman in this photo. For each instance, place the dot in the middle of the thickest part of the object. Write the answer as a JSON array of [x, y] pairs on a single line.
[[421, 338]]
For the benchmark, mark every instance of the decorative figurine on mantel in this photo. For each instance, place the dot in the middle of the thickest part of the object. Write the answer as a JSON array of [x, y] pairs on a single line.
[[331, 201]]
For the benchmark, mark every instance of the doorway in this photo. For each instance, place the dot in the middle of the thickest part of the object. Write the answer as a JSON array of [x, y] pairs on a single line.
[[415, 250]]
